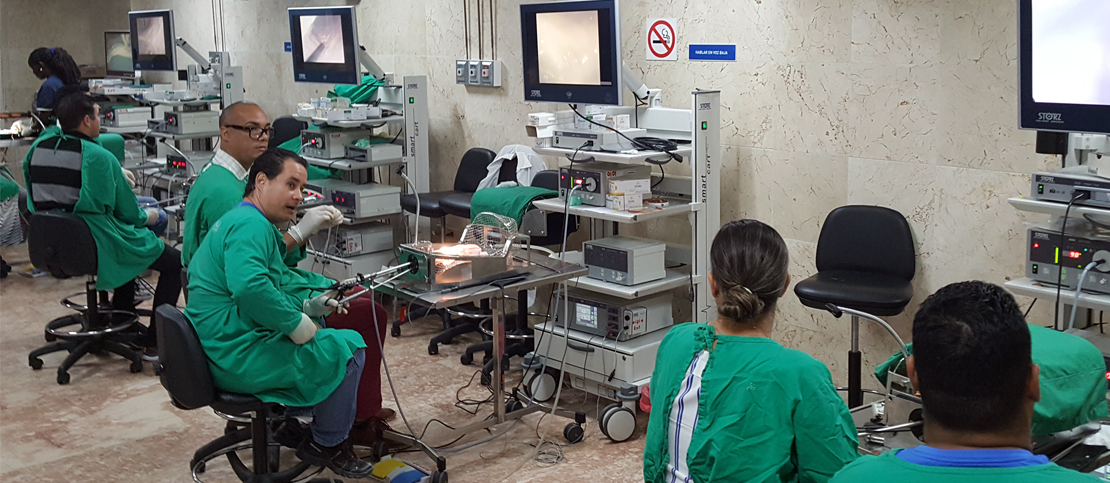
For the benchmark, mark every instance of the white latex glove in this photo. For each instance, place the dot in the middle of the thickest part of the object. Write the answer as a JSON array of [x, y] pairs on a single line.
[[130, 177], [314, 220], [151, 216], [321, 305], [305, 331]]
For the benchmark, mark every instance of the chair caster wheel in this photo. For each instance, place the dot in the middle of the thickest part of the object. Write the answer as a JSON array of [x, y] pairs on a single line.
[[199, 468], [395, 331], [513, 405], [574, 433], [466, 359], [136, 367], [433, 349], [35, 363], [63, 378], [438, 477], [49, 337], [377, 451]]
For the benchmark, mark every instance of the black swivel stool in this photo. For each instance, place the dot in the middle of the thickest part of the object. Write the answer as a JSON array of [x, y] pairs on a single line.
[[865, 263], [286, 128], [183, 370], [62, 244]]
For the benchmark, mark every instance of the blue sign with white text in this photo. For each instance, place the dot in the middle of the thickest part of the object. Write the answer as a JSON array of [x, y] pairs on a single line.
[[288, 46], [720, 52]]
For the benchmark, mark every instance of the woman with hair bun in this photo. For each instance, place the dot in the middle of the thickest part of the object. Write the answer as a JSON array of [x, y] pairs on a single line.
[[59, 73], [731, 404]]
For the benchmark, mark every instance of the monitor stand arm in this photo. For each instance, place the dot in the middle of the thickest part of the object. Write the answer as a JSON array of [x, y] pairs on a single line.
[[639, 89], [368, 63], [199, 59]]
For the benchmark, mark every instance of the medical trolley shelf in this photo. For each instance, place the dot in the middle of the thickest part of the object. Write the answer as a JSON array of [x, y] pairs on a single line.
[[367, 124], [1031, 288], [639, 157], [183, 137], [555, 205], [348, 164], [675, 278], [1057, 209]]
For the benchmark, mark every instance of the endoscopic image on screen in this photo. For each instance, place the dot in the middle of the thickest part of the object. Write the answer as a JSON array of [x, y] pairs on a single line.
[[117, 51], [568, 48], [1071, 51], [322, 39], [152, 35]]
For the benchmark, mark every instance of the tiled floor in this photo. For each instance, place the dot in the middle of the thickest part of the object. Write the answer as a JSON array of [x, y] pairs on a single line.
[[110, 425]]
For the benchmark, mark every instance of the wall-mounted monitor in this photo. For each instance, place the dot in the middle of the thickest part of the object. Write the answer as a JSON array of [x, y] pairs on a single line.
[[1064, 65], [152, 40], [572, 52], [325, 45], [117, 54]]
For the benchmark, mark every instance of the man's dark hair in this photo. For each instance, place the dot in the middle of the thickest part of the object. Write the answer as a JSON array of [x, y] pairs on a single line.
[[229, 110], [972, 354], [73, 108], [271, 163]]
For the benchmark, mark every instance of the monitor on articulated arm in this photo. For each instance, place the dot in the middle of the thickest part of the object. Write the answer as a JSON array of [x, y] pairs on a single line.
[[325, 45], [152, 40]]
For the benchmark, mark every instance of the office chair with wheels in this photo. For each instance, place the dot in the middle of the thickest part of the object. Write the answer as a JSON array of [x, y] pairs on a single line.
[[62, 244], [865, 262], [183, 371], [472, 169]]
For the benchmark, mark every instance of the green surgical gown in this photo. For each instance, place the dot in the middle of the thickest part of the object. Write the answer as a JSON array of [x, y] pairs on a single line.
[[124, 246], [766, 413], [215, 192], [244, 317], [887, 468]]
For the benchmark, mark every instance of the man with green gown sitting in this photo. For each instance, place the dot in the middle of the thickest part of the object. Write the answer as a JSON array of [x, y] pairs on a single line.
[[67, 170], [260, 341], [973, 366]]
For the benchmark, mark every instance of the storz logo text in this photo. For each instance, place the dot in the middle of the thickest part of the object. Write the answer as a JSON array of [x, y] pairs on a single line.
[[535, 93], [1050, 117], [703, 106], [1040, 236]]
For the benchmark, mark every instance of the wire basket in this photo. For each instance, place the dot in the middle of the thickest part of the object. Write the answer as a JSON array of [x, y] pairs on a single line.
[[492, 233]]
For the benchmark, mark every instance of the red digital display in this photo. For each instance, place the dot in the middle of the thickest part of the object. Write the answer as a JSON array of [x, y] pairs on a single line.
[[1073, 254]]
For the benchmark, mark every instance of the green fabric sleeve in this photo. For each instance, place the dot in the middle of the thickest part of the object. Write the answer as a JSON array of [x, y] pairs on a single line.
[[104, 190], [247, 278], [8, 188], [114, 143], [294, 256], [825, 435]]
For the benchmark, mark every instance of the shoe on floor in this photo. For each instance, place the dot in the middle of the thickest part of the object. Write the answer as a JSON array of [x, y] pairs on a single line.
[[340, 458], [291, 433], [150, 354], [370, 431]]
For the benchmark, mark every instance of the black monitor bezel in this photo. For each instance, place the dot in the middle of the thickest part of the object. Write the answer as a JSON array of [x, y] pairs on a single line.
[[1044, 116], [162, 63], [536, 91], [117, 73], [349, 71]]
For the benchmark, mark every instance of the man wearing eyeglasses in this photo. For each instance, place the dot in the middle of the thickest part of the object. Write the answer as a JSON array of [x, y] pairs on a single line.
[[244, 135]]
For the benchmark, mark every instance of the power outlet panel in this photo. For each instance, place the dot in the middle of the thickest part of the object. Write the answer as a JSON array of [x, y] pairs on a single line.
[[485, 73]]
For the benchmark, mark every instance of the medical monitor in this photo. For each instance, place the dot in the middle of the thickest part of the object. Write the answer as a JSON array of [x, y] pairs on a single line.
[[325, 45], [572, 52], [117, 54], [1064, 65], [152, 40]]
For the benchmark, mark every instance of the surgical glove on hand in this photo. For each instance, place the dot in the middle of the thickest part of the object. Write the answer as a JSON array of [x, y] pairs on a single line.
[[314, 220], [305, 331], [321, 305], [130, 177], [152, 216]]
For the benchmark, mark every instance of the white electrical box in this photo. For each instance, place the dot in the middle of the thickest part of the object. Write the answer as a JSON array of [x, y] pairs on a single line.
[[485, 73], [366, 200]]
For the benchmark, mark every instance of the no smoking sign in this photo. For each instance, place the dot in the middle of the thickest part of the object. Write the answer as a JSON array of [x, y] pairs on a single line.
[[661, 39]]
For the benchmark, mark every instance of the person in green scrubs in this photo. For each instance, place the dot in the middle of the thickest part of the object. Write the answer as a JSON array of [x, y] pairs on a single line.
[[244, 134], [67, 170], [731, 404], [972, 363], [258, 340]]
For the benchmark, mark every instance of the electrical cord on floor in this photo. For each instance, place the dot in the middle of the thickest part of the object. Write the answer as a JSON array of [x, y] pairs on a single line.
[[1060, 249]]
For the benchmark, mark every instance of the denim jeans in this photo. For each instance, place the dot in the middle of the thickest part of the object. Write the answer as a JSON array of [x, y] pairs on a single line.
[[333, 417], [159, 228]]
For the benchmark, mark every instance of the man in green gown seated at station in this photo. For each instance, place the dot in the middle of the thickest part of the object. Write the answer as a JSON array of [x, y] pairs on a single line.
[[972, 363], [260, 341]]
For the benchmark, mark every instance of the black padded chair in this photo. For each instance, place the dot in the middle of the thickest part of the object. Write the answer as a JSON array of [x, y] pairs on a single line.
[[472, 170], [62, 244], [183, 371], [286, 128], [865, 262]]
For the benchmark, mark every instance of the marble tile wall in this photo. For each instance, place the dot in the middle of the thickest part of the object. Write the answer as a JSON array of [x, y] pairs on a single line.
[[77, 26], [906, 104]]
